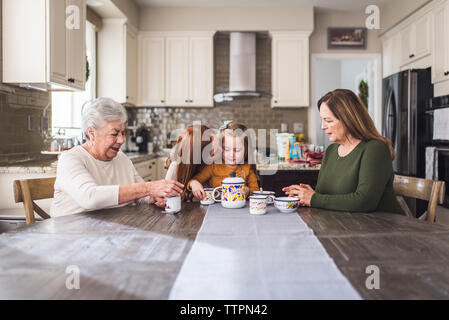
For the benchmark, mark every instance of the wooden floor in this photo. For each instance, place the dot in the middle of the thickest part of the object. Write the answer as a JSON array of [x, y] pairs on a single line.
[[137, 252]]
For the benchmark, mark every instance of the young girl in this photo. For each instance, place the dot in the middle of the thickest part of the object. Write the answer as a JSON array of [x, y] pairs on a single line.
[[181, 167], [235, 157]]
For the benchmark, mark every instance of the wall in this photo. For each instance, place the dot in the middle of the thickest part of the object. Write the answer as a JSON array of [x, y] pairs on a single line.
[[350, 69], [254, 18], [325, 19], [16, 142], [394, 11], [256, 114], [129, 9], [327, 78]]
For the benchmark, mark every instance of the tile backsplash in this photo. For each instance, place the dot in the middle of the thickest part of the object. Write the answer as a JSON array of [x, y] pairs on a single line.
[[254, 113]]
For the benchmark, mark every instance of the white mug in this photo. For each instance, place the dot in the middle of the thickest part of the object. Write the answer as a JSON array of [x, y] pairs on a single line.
[[208, 199], [173, 204], [258, 204]]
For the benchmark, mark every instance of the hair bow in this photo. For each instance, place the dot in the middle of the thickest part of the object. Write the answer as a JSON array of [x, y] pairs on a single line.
[[225, 124]]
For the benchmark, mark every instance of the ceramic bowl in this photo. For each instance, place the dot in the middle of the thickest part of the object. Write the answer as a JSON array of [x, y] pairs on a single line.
[[286, 204]]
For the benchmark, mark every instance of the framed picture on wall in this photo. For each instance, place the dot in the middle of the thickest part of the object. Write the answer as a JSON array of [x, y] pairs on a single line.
[[346, 38]]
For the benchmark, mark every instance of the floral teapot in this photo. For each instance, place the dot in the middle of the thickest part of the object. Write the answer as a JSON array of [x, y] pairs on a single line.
[[233, 192]]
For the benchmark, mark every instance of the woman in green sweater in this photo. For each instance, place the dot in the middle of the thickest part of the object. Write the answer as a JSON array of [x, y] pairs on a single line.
[[356, 173]]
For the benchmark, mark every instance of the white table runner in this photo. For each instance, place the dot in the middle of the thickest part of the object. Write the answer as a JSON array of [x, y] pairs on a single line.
[[274, 256]]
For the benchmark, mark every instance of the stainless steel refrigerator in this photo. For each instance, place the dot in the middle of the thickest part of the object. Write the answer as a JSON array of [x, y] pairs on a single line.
[[406, 96]]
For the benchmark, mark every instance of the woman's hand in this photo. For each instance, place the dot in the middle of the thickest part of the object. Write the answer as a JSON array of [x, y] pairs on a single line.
[[164, 188], [160, 202], [290, 189], [197, 189], [246, 192], [304, 192]]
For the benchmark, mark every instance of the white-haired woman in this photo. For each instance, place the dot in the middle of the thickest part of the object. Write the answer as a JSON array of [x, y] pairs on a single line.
[[97, 174]]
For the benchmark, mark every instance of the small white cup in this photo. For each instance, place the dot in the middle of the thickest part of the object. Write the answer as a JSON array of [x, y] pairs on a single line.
[[258, 204], [270, 194], [209, 198], [173, 204]]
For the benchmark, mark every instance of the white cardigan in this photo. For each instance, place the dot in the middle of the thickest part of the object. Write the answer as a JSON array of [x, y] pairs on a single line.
[[84, 183]]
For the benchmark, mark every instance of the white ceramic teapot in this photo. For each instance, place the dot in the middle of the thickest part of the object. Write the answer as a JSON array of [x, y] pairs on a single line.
[[233, 192]]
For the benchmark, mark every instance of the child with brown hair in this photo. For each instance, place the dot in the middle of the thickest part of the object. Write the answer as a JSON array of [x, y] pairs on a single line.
[[235, 156]]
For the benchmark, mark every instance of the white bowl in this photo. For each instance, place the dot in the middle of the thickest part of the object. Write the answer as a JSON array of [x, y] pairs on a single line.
[[286, 204]]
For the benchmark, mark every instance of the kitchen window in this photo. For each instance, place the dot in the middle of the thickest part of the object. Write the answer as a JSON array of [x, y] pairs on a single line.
[[67, 106]]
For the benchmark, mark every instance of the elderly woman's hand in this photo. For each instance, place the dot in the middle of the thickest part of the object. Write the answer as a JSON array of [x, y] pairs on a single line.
[[160, 202], [164, 188], [304, 192]]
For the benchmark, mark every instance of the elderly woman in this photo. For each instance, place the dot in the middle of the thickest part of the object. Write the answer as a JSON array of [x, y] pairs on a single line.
[[356, 173], [97, 174]]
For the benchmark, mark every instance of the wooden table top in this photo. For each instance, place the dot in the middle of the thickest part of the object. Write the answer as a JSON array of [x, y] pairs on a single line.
[[136, 252]]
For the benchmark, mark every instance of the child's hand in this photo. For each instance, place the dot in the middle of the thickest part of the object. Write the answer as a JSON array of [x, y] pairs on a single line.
[[246, 192], [197, 189]]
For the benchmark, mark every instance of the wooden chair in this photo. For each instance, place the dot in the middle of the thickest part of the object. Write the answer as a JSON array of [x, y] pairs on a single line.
[[28, 190], [419, 188]]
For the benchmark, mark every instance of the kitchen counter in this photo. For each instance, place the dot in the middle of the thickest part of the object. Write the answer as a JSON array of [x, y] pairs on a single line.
[[49, 165], [35, 166], [286, 167]]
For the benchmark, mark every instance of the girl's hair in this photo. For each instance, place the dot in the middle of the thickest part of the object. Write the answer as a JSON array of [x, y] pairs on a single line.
[[235, 129], [187, 171], [350, 110]]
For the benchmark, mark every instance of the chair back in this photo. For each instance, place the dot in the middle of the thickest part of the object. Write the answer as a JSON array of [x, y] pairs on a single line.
[[419, 188], [28, 190]]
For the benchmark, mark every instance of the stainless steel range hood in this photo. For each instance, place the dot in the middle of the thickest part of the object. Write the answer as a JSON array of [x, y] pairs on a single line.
[[242, 68]]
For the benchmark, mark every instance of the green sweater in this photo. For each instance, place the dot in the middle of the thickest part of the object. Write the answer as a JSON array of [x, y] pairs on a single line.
[[361, 181]]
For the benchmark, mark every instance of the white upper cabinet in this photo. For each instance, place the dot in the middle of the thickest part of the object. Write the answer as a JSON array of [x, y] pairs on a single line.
[[117, 61], [176, 69], [415, 40], [201, 56], [440, 59], [49, 56], [290, 69], [151, 74], [391, 59], [131, 65]]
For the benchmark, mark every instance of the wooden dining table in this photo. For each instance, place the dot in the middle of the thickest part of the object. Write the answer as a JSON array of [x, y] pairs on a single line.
[[136, 252]]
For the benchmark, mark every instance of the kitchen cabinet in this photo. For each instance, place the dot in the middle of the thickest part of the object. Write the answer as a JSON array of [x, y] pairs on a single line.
[[440, 59], [147, 169], [415, 40], [151, 84], [176, 69], [391, 62], [161, 171], [117, 61], [290, 69], [152, 170], [49, 56]]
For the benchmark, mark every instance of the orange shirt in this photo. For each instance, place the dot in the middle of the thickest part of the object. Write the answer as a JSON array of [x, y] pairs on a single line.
[[215, 173]]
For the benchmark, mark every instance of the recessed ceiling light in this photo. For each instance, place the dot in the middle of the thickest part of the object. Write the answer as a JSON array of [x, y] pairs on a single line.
[[94, 3]]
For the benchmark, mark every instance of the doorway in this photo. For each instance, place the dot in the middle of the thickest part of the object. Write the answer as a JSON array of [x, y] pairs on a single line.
[[344, 71]]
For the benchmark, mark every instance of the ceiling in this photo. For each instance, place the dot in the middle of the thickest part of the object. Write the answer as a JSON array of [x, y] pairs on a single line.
[[339, 5]]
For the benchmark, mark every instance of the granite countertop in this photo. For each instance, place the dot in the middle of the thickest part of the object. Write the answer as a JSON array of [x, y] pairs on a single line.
[[286, 166], [35, 166], [49, 165]]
